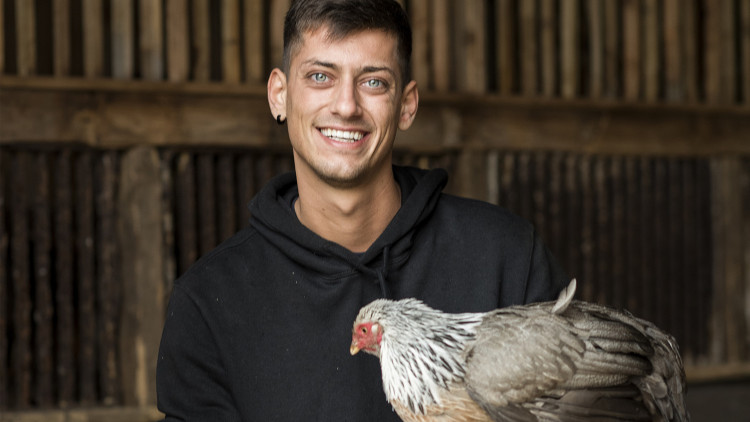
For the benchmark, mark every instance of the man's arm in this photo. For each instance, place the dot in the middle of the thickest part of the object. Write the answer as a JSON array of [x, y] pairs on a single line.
[[190, 377]]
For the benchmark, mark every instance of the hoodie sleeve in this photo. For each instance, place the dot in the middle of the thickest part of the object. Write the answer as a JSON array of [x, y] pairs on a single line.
[[189, 371], [546, 277]]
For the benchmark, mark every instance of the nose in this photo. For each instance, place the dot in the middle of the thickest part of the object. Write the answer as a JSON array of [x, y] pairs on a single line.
[[346, 102]]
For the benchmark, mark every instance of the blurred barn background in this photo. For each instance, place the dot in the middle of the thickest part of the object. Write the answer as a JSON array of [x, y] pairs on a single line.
[[133, 133]]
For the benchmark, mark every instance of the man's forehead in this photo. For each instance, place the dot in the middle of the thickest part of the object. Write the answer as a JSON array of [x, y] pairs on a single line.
[[323, 36]]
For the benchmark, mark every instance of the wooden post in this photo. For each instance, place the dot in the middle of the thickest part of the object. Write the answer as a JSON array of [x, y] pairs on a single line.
[[712, 50], [178, 41], [470, 47], [651, 50], [612, 55], [506, 37], [121, 15], [276, 30], [673, 50], [140, 233], [529, 48], [596, 49]]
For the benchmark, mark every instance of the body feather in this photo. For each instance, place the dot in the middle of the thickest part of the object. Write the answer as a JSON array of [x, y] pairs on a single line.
[[555, 361]]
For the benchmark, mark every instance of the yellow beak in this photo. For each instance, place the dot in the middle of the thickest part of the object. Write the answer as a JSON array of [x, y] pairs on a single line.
[[353, 349]]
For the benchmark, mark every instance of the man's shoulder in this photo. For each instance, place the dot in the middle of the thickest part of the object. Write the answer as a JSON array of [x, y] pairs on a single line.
[[482, 213], [232, 255]]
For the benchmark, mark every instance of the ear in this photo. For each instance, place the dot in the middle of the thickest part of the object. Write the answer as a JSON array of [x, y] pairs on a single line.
[[409, 105], [277, 93]]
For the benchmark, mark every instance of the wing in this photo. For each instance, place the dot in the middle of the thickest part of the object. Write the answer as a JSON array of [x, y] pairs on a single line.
[[518, 355]]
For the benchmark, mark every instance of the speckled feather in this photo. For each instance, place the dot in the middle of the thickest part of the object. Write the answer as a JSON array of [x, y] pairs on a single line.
[[554, 361]]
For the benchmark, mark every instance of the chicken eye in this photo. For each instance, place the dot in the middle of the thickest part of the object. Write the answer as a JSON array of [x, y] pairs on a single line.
[[364, 330]]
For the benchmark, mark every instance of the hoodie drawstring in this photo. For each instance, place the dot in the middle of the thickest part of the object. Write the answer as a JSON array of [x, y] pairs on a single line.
[[383, 272]]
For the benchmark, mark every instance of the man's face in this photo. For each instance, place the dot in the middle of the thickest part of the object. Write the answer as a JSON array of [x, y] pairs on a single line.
[[344, 104]]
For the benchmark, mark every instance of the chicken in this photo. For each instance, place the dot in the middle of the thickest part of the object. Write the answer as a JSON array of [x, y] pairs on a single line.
[[564, 360]]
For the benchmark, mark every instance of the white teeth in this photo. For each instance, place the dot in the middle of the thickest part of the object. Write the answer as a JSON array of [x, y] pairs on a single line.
[[342, 135]]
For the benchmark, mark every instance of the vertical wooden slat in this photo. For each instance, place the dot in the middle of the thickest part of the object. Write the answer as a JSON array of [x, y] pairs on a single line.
[[166, 161], [705, 255], [596, 48], [61, 31], [21, 363], [493, 176], [660, 226], [676, 257], [420, 56], [548, 45], [651, 50], [470, 48], [506, 38], [2, 41], [178, 41], [185, 212], [690, 317], [744, 40], [4, 271], [673, 50], [230, 41], [569, 48], [539, 202], [603, 234], [254, 18], [587, 224], [64, 288], [201, 40], [633, 268], [86, 288], [276, 30], [108, 280], [646, 297], [151, 45], [690, 62], [631, 17], [712, 50], [226, 196], [728, 52], [43, 300], [528, 45], [617, 286], [556, 209], [509, 192], [441, 63], [729, 324], [93, 38], [121, 15], [612, 69], [26, 37], [573, 212], [207, 233], [525, 187]]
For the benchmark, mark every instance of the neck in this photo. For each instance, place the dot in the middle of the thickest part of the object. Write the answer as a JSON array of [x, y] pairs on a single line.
[[352, 217]]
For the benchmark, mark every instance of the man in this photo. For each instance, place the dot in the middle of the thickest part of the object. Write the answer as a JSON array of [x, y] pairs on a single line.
[[259, 329]]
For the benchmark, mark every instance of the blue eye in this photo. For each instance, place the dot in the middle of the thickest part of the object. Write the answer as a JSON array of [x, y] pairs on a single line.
[[374, 83], [319, 77]]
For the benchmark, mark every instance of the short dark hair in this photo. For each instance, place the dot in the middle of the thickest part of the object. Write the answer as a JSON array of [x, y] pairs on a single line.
[[346, 17]]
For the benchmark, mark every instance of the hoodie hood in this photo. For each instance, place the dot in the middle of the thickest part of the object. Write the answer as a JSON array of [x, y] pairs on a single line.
[[274, 218]]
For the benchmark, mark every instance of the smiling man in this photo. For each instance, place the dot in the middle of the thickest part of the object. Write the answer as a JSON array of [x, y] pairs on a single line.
[[259, 329]]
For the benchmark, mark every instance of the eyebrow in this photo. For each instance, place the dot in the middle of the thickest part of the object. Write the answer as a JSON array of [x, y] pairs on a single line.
[[366, 69]]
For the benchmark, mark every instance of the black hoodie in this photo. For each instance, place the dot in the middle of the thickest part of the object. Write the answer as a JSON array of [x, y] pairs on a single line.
[[259, 329]]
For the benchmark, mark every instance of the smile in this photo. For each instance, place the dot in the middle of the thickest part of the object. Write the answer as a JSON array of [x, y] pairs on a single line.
[[342, 135]]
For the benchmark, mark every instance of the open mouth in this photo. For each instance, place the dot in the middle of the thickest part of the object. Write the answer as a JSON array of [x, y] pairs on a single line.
[[342, 135]]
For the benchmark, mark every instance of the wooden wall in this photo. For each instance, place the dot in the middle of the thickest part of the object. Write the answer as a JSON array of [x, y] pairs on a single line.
[[134, 132]]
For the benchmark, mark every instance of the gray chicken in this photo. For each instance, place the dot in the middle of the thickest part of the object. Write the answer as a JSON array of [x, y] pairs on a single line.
[[567, 360]]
